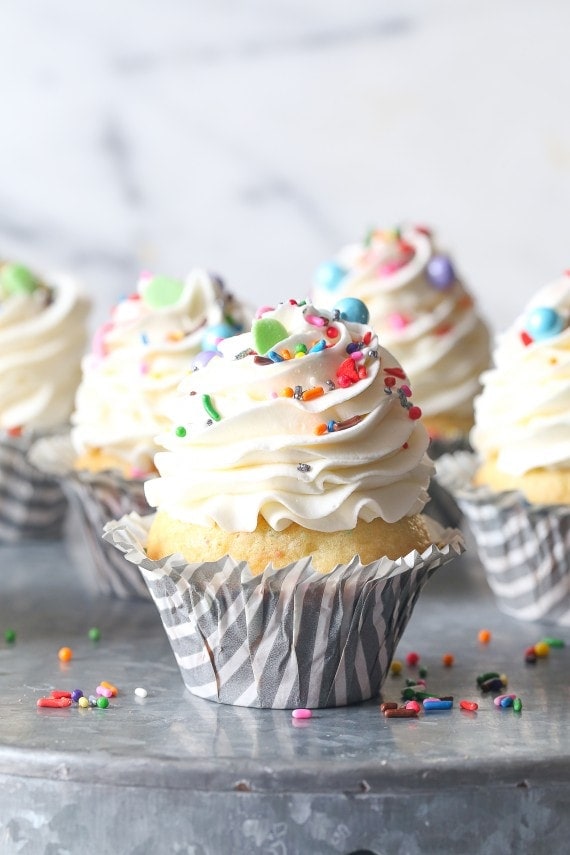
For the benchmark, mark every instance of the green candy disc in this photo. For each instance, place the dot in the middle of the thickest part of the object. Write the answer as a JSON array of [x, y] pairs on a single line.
[[162, 292], [17, 279], [266, 333]]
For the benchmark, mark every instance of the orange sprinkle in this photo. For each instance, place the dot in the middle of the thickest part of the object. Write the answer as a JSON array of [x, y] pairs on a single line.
[[484, 636], [311, 394], [175, 335], [112, 689], [448, 659], [65, 654], [321, 429], [287, 392], [286, 354]]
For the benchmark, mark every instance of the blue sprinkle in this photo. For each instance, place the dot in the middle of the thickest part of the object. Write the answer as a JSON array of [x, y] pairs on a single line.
[[320, 345], [274, 356]]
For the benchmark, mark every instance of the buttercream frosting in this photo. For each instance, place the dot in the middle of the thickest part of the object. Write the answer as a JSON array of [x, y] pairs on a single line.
[[522, 417], [421, 311], [304, 419], [42, 338], [138, 358]]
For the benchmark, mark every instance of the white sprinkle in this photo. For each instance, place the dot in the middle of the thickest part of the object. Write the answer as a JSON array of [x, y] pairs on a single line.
[[141, 693]]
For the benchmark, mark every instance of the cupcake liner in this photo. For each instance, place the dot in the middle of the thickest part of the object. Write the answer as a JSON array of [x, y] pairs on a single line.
[[96, 498], [524, 549], [286, 638], [32, 503]]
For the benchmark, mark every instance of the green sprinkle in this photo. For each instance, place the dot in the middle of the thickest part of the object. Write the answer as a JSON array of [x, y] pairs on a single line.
[[210, 409], [517, 705], [490, 675], [10, 636], [94, 633], [423, 673], [102, 703], [300, 348], [180, 430], [554, 642]]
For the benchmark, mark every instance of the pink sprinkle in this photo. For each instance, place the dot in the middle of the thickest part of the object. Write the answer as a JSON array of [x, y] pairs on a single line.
[[407, 391], [316, 321], [413, 705], [499, 698], [302, 713], [357, 355], [136, 472], [144, 369], [104, 691], [392, 266], [397, 321], [262, 310]]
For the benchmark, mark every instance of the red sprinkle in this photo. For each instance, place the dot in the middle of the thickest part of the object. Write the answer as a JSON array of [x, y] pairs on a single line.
[[57, 694], [415, 413], [332, 332], [396, 372], [389, 382], [470, 706], [54, 702], [526, 338], [347, 371], [367, 337], [412, 659]]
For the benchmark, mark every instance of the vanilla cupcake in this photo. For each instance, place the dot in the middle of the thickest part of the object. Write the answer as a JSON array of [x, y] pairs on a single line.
[[153, 338], [294, 477], [42, 340], [518, 502], [424, 314]]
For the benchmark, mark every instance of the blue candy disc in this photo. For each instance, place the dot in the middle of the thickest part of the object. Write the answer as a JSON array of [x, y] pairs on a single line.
[[544, 322], [329, 275], [353, 310]]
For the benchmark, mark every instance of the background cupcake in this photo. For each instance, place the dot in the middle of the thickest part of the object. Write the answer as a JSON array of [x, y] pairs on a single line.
[[42, 339], [519, 503], [153, 338], [289, 530], [423, 314]]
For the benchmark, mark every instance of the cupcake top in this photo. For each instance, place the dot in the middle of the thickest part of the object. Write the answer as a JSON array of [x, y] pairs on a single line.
[[523, 412], [305, 419], [421, 311], [42, 338], [152, 339]]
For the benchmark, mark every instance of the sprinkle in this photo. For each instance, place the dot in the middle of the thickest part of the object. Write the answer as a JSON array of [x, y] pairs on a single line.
[[484, 636], [517, 705], [415, 413], [353, 347], [396, 372], [113, 689], [331, 426], [554, 642], [495, 684], [286, 354], [332, 332], [180, 431], [286, 392], [57, 693], [302, 713], [367, 337], [331, 384], [396, 668], [412, 659], [15, 431], [541, 649], [298, 392], [448, 659], [431, 704], [508, 700], [488, 675], [321, 429], [102, 703], [311, 394], [274, 356], [54, 702], [406, 391], [315, 320], [65, 654], [210, 409], [526, 338], [104, 692], [390, 381], [82, 702], [243, 353], [469, 706], [318, 346], [10, 636], [263, 360], [348, 423], [140, 692], [76, 695], [412, 705], [402, 712], [388, 705], [144, 338], [304, 467], [373, 354], [300, 348]]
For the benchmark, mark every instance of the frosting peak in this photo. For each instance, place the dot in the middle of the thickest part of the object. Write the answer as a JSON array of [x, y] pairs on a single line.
[[304, 419]]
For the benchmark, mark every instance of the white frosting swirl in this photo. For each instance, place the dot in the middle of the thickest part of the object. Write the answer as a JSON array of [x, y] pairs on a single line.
[[321, 459], [42, 338], [426, 320], [523, 413], [138, 359]]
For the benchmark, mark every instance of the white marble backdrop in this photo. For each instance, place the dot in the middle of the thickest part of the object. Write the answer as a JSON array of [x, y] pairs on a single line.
[[256, 137]]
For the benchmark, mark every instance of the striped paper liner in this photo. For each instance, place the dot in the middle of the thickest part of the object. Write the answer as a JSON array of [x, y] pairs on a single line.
[[285, 638], [32, 504], [524, 549]]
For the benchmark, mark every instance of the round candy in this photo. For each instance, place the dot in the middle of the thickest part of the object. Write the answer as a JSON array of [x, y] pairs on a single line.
[[329, 275], [353, 310], [17, 279], [140, 692], [94, 634], [65, 654], [440, 272], [213, 335], [76, 695], [83, 702], [10, 636], [162, 292], [102, 703], [202, 359], [544, 322]]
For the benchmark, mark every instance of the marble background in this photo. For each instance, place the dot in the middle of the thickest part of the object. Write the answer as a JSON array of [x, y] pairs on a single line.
[[254, 138]]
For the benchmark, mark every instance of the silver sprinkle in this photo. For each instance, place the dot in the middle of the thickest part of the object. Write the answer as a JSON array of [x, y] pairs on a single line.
[[373, 354], [304, 467]]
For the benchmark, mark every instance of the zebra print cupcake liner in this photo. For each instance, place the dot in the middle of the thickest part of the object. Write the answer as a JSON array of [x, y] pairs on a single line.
[[524, 549], [95, 498], [32, 504], [286, 638]]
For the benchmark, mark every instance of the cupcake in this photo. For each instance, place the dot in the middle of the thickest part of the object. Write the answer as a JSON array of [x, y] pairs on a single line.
[[153, 338], [289, 544], [42, 339], [424, 315], [518, 498]]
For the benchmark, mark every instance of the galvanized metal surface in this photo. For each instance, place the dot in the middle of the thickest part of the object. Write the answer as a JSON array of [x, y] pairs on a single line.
[[174, 773]]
